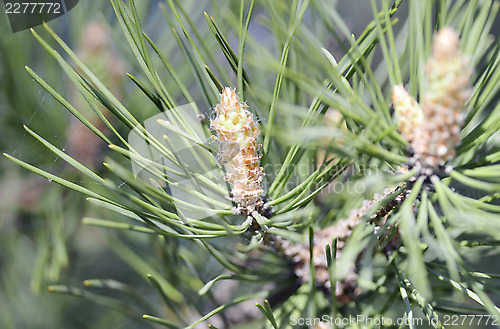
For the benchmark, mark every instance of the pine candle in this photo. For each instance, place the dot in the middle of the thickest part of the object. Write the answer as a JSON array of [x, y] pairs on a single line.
[[447, 76], [237, 135]]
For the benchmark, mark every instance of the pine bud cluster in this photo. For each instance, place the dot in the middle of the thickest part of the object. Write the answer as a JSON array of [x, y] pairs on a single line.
[[433, 127]]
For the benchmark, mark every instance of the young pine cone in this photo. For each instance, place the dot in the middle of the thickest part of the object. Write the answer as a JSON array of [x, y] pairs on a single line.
[[237, 136], [433, 128]]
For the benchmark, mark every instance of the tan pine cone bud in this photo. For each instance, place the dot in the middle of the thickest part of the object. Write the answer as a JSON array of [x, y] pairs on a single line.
[[409, 115], [237, 136], [447, 76]]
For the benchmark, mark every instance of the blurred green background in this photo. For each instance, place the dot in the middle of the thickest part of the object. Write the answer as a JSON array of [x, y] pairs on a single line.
[[42, 240]]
